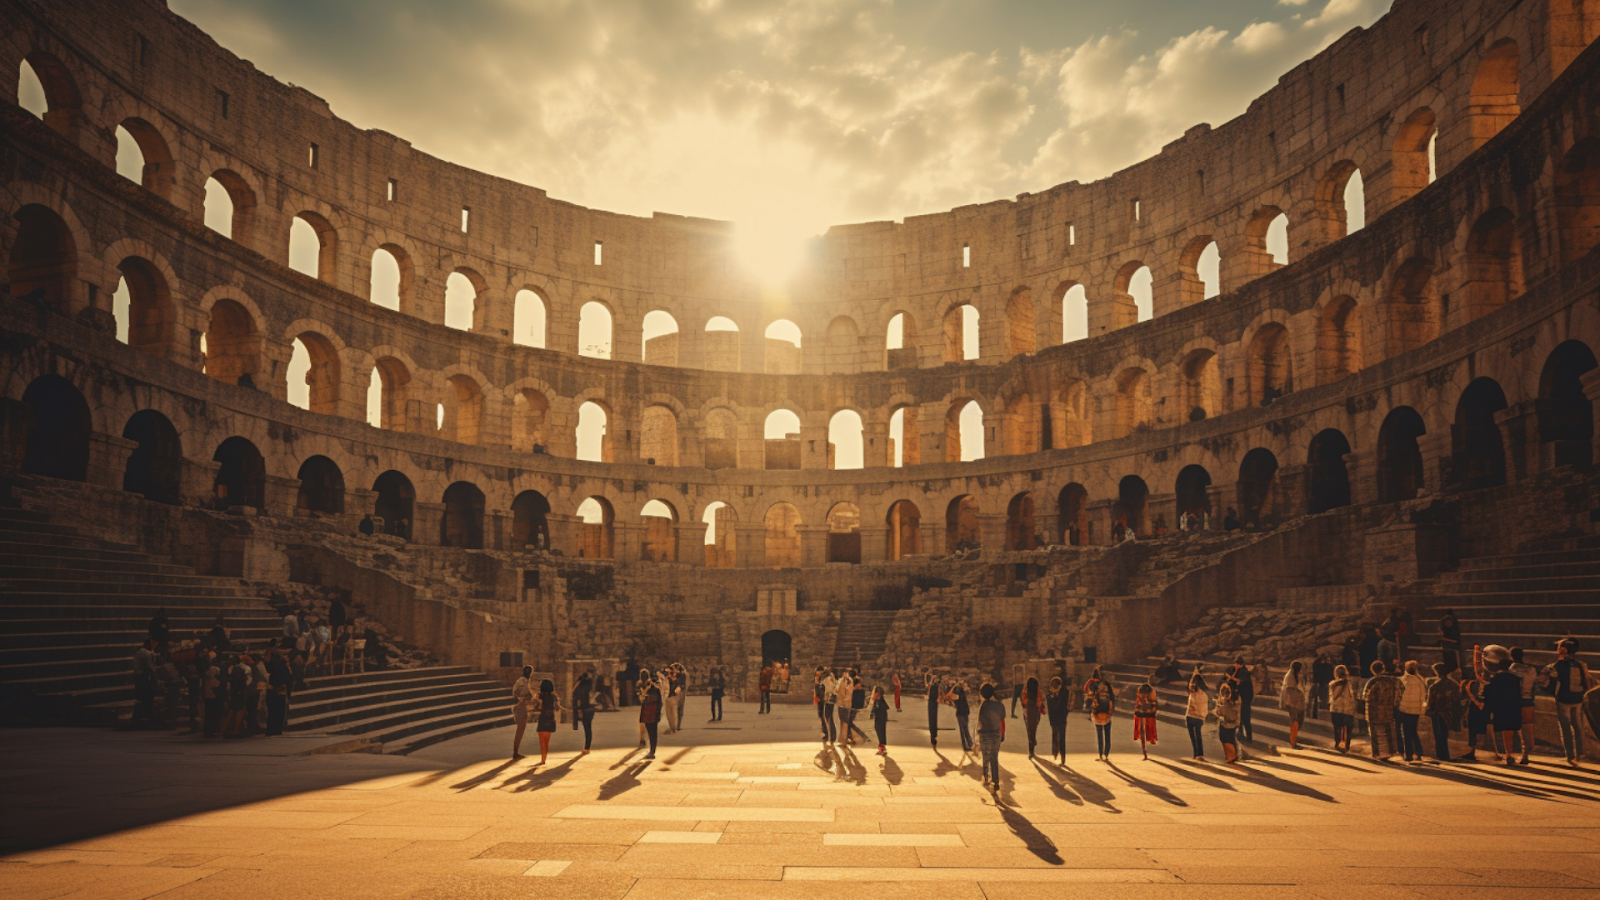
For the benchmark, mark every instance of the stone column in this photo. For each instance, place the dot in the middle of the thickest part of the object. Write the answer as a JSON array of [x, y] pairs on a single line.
[[992, 534], [425, 522], [1218, 502], [750, 546], [1519, 436], [627, 541], [1098, 515], [1436, 450], [932, 536], [813, 544], [692, 542], [874, 544], [282, 495], [1591, 389], [875, 448], [1361, 468], [497, 530], [1291, 495], [563, 532], [198, 484], [108, 459]]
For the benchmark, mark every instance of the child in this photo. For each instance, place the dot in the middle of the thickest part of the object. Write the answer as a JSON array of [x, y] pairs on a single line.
[[1145, 707], [880, 720]]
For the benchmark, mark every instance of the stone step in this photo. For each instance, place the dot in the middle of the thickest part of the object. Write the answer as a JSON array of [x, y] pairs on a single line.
[[94, 645], [141, 608], [1532, 570], [1551, 611], [1589, 583], [351, 715], [363, 679], [194, 586], [446, 728], [1531, 558], [130, 630], [39, 550]]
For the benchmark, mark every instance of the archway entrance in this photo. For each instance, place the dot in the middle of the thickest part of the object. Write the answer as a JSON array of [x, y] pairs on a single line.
[[1257, 483], [1072, 517], [1566, 415], [321, 487], [394, 503], [775, 647], [961, 524], [58, 429], [1019, 523], [1400, 474], [844, 533], [1478, 458], [529, 525], [1127, 514], [905, 530], [1192, 496], [155, 468], [1329, 479], [242, 479], [462, 523]]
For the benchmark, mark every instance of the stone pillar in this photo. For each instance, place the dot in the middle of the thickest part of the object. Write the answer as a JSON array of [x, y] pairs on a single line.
[[932, 535], [750, 546], [497, 530], [357, 506], [563, 532], [198, 486], [426, 519], [1163, 505], [627, 541], [1218, 502], [1292, 495], [108, 459], [875, 448], [874, 544], [1436, 450], [1098, 515], [692, 542], [1361, 468], [813, 544], [1519, 435], [1591, 389], [992, 534], [282, 495]]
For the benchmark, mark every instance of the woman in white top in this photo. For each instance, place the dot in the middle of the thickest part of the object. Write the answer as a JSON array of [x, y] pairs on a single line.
[[1413, 703], [668, 701], [522, 705], [1292, 697], [1195, 715]]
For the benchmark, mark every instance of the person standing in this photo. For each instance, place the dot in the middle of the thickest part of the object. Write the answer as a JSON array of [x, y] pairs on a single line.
[[1321, 674], [1569, 677], [680, 687], [991, 733], [548, 706], [280, 681], [1195, 715], [1058, 702], [1016, 692], [1444, 709], [858, 704], [846, 701], [1409, 710], [1381, 694], [822, 696], [880, 720], [1502, 699], [717, 683], [583, 709], [1450, 641], [1342, 708], [934, 693], [1032, 708], [1477, 718], [241, 693], [957, 698], [214, 683], [521, 707], [1102, 706], [1227, 712], [765, 685], [1292, 699], [1145, 708], [667, 680], [896, 679], [650, 701], [1244, 688], [1528, 676]]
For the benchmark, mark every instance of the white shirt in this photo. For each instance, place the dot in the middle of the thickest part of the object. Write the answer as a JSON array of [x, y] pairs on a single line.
[[1198, 704], [1413, 695]]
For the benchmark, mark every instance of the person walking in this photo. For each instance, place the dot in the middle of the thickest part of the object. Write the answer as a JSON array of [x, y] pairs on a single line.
[[1342, 708], [957, 698], [858, 705], [650, 702], [1528, 676], [521, 707], [1502, 699], [895, 679], [1195, 714], [1321, 675], [1102, 706], [991, 733], [1058, 703], [667, 679], [1569, 678], [765, 685], [1292, 699], [935, 690], [880, 720], [822, 696], [1381, 694], [549, 708], [1413, 703], [1145, 707], [717, 683], [1032, 709], [1227, 711], [1444, 709], [680, 687], [583, 709], [845, 698]]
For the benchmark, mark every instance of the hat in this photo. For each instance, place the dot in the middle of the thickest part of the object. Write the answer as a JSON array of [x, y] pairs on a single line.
[[1571, 643], [1496, 654]]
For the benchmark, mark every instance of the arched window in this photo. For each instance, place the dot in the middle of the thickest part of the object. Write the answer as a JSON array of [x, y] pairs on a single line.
[[660, 532], [1336, 213], [1020, 333], [311, 246], [232, 345], [1134, 301], [241, 476], [1328, 481], [904, 440], [1576, 198], [391, 278], [46, 89], [462, 522], [783, 348], [961, 333], [143, 308], [1415, 164], [43, 258], [1072, 516], [844, 533], [1477, 455], [1020, 426], [155, 467], [1355, 203], [660, 338], [1069, 424], [1495, 89], [528, 319], [463, 414], [963, 432], [1127, 514], [530, 523], [1494, 266], [1266, 241], [394, 503], [1338, 340], [461, 300], [843, 351], [230, 206], [387, 394], [1566, 414], [782, 433], [596, 537], [1020, 534], [961, 525], [143, 157], [530, 413], [57, 429], [905, 530], [722, 348], [721, 545], [721, 439], [1202, 386], [594, 330], [658, 436], [1074, 313], [321, 487], [594, 439], [1400, 472], [783, 536], [1268, 364], [30, 91], [1258, 473], [1197, 270], [845, 447], [313, 374], [1135, 406]]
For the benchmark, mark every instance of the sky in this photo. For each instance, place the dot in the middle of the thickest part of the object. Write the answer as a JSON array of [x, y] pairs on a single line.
[[784, 116]]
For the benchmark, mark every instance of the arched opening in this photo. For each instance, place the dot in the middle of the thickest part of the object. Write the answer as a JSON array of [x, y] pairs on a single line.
[[905, 442], [1020, 530], [1495, 88], [1415, 165], [1133, 289], [782, 348], [720, 439], [1477, 456], [1266, 242], [230, 206], [1135, 406], [46, 89], [782, 433], [1341, 201], [1493, 265], [530, 525], [1072, 516], [1020, 426], [963, 432], [1576, 198], [846, 449], [461, 299], [321, 487], [1198, 268], [844, 533], [1566, 414], [722, 346], [394, 504], [775, 648], [1400, 472], [1074, 303], [232, 346], [242, 477], [313, 374], [782, 525], [144, 158], [1258, 473], [1127, 514], [44, 258], [900, 342], [905, 530], [530, 413], [594, 330], [844, 346], [1069, 416], [387, 409], [155, 467], [961, 525], [1338, 340], [312, 246], [660, 338], [1268, 365], [1328, 482], [1411, 309], [528, 317], [462, 522], [961, 333], [1202, 386], [57, 429], [658, 436], [391, 277], [596, 534], [722, 522], [1020, 334], [142, 306], [593, 432], [660, 532], [1192, 493]]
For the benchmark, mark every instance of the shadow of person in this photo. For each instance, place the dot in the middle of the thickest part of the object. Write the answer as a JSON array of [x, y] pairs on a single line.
[[483, 777], [1061, 791], [1090, 791], [533, 780], [1149, 787], [943, 767], [677, 756], [850, 768], [1196, 777], [623, 781], [1037, 842], [1269, 780], [1283, 766], [891, 770], [826, 759], [625, 757]]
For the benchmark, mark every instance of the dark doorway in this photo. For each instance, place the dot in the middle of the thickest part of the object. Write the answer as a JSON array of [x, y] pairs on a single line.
[[1257, 485], [1019, 523], [1566, 415], [155, 467], [1192, 496], [242, 480], [1478, 457], [961, 524], [394, 503], [1072, 515], [775, 647], [529, 522], [43, 257], [57, 430], [462, 524], [321, 487], [1127, 514], [1400, 474], [1329, 479]]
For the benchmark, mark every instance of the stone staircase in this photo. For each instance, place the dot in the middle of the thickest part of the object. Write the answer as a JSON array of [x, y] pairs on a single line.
[[863, 633], [1270, 722]]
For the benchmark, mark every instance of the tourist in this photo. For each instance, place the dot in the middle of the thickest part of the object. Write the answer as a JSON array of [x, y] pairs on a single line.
[[1058, 703], [680, 687], [1477, 718], [1032, 708], [241, 694], [160, 627], [521, 706], [1227, 712], [848, 708], [1292, 699], [628, 684], [858, 703], [1569, 678], [1016, 690], [1413, 702], [717, 683], [548, 705], [1145, 708], [1450, 640], [822, 696], [1167, 672], [1405, 635], [1321, 675], [144, 684], [1195, 714], [606, 693], [1230, 520], [1502, 700], [1528, 677], [583, 708], [650, 701], [765, 686], [338, 619], [1381, 693], [291, 629], [1102, 706], [280, 681], [215, 687], [667, 679], [895, 678], [957, 698], [1092, 687], [1444, 709], [642, 681], [991, 733], [935, 691], [1244, 692], [880, 720]]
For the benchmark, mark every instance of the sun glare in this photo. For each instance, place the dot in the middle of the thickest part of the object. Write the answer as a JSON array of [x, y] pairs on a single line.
[[770, 251]]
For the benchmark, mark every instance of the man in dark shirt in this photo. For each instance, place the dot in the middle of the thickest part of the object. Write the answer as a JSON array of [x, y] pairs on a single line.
[[766, 690], [991, 733], [280, 680], [1570, 679], [1244, 689], [1321, 677]]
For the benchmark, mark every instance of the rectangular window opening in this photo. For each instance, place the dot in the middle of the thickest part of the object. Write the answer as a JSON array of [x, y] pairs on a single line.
[[466, 215], [1200, 174], [597, 254], [393, 190], [144, 49], [222, 102], [1137, 211], [312, 156], [966, 256], [1339, 91], [1072, 235]]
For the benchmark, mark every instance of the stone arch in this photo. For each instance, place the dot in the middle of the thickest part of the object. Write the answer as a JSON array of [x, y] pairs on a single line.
[[660, 541], [461, 525], [1577, 200], [150, 320], [1566, 414], [232, 343], [1410, 308], [905, 530], [63, 110], [392, 278], [1400, 470], [1477, 454], [782, 523], [1021, 333], [1072, 515], [464, 291], [1072, 304], [1070, 422], [597, 533], [56, 429], [1257, 489], [156, 170], [155, 467], [961, 531], [721, 541], [782, 341], [1328, 479], [394, 395], [846, 442], [959, 437], [782, 451], [595, 329], [1020, 529], [395, 503], [594, 431], [1192, 492], [1020, 426], [1135, 407], [1415, 164], [905, 439], [1260, 233], [1493, 263], [326, 246], [530, 524], [1496, 84], [321, 487], [530, 318], [1191, 286], [322, 373], [1133, 281], [1333, 212], [658, 436], [1338, 339], [1202, 385], [463, 413], [900, 342], [239, 215], [843, 346], [1128, 513], [722, 345], [844, 533], [44, 257], [659, 337], [720, 439], [961, 333], [241, 478], [1269, 364]]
